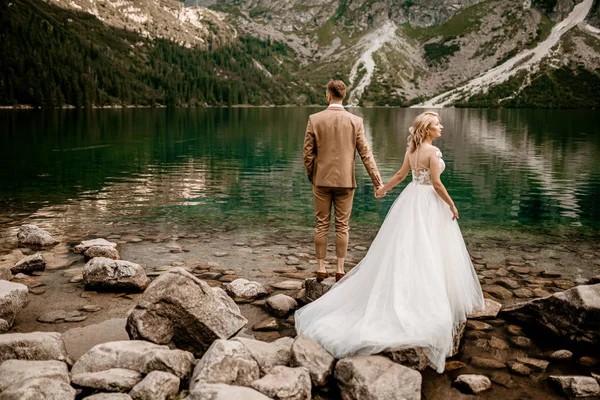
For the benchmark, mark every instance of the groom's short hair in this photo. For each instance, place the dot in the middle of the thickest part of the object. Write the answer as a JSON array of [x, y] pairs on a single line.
[[337, 89]]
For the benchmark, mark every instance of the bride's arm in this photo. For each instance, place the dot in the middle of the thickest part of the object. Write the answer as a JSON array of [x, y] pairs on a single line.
[[397, 178], [440, 189]]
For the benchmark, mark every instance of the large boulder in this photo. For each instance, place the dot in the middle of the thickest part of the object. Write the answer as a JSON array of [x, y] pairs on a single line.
[[34, 262], [102, 251], [86, 244], [572, 315], [13, 296], [136, 355], [220, 391], [412, 357], [490, 311], [285, 383], [309, 354], [181, 309], [576, 386], [376, 378], [315, 289], [244, 291], [102, 273], [33, 346], [225, 361], [268, 355], [16, 372], [110, 380], [39, 388], [157, 385], [31, 235]]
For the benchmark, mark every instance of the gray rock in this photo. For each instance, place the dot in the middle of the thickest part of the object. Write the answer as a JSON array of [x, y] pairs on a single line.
[[489, 312], [268, 355], [268, 324], [576, 386], [108, 396], [34, 262], [244, 291], [5, 274], [13, 297], [309, 354], [412, 357], [102, 273], [288, 285], [570, 315], [39, 346], [315, 289], [102, 251], [181, 309], [16, 372], [157, 385], [281, 304], [376, 378], [472, 383], [4, 326], [39, 388], [31, 235], [110, 380], [53, 317], [285, 383], [228, 362], [137, 355], [86, 244], [220, 391]]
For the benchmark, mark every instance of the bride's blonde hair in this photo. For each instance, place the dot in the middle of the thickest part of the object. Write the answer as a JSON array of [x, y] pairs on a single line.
[[420, 129]]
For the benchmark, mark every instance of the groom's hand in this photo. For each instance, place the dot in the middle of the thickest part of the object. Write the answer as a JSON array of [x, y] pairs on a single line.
[[379, 193]]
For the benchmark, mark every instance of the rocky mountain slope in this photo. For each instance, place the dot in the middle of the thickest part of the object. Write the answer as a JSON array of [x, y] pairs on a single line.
[[390, 52]]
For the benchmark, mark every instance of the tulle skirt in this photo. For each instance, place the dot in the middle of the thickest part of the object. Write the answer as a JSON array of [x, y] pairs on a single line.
[[413, 288]]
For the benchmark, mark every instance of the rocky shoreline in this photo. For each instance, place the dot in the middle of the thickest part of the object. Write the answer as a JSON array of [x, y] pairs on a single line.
[[97, 303]]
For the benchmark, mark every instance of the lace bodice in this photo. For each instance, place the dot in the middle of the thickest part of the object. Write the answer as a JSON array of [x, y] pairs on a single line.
[[422, 176]]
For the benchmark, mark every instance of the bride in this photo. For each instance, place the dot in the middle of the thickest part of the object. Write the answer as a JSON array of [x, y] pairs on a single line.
[[416, 284]]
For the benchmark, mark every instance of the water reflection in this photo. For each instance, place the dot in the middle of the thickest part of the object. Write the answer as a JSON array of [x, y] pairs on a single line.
[[243, 167]]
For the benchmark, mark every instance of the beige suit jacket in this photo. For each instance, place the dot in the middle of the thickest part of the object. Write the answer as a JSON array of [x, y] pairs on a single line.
[[332, 138]]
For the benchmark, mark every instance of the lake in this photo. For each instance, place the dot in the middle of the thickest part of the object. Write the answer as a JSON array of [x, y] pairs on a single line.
[[242, 169]]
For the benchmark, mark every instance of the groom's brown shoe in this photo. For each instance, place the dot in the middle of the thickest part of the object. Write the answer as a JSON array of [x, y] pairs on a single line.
[[321, 276], [339, 275]]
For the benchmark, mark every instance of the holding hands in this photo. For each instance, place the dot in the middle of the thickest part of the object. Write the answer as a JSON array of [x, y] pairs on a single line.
[[379, 192]]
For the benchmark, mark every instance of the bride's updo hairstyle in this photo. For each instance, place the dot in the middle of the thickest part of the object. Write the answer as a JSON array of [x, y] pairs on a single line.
[[420, 129]]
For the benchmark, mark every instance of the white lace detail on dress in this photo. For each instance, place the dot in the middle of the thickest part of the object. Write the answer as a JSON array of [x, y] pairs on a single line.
[[422, 176]]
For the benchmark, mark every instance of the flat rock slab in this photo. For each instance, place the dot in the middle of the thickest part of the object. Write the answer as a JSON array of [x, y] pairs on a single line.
[[288, 285], [285, 383], [53, 317], [576, 386], [86, 244], [39, 388], [39, 346], [111, 380], [16, 372], [220, 391], [157, 385]]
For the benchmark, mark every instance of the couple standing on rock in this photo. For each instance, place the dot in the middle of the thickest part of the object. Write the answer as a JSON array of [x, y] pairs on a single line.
[[416, 284]]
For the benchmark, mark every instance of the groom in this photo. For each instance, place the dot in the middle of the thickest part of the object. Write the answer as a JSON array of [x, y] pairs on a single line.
[[332, 138]]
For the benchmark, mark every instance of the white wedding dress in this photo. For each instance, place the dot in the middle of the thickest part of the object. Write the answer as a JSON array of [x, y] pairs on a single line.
[[413, 288]]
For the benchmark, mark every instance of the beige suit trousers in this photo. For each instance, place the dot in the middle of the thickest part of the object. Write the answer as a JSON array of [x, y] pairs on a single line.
[[342, 203]]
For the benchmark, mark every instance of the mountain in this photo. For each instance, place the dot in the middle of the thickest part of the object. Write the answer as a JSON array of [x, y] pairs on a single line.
[[475, 53]]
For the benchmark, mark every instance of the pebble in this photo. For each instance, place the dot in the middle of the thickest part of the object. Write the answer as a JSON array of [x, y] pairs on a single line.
[[563, 284], [521, 341], [288, 285], [76, 319], [228, 278], [91, 308], [515, 330], [220, 254], [269, 324], [499, 344], [37, 291], [523, 293], [479, 326], [56, 316], [540, 293], [486, 363], [587, 361], [548, 274], [360, 248], [503, 379], [562, 355], [502, 272]]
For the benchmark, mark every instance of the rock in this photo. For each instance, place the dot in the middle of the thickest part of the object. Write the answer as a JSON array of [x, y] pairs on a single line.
[[244, 291], [53, 317], [497, 291], [228, 278], [157, 385], [520, 270], [4, 326], [523, 293], [576, 386], [13, 297], [376, 378], [502, 378], [309, 354], [561, 355], [501, 272], [507, 283], [102, 273], [520, 369], [269, 324], [268, 355], [181, 309], [110, 380], [534, 363], [288, 285], [498, 343], [412, 357], [39, 388], [209, 276], [108, 396], [563, 284], [521, 341], [17, 372], [281, 304], [86, 244], [514, 330], [136, 355], [594, 280], [5, 274], [548, 274], [460, 331], [474, 384], [538, 292], [587, 361], [31, 235], [489, 312], [315, 289], [91, 308], [29, 264], [479, 326], [40, 346], [220, 391], [487, 363], [570, 315], [454, 365], [102, 251], [228, 362], [221, 254], [285, 383]]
